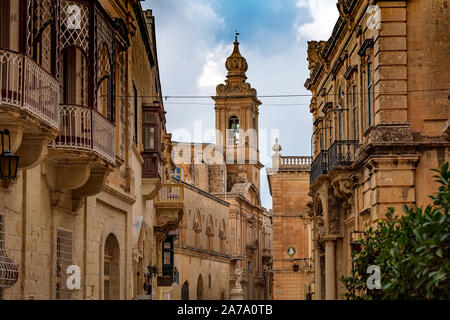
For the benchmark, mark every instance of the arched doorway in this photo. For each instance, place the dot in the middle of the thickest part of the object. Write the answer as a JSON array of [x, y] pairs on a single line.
[[111, 269], [185, 291], [200, 288]]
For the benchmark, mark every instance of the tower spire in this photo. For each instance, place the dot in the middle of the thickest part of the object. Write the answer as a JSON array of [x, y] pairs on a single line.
[[236, 64]]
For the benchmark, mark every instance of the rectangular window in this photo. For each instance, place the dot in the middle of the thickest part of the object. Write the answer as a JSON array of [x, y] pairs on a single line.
[[149, 138], [369, 94], [149, 118], [64, 258], [167, 256], [4, 24], [2, 233], [177, 173], [329, 133], [355, 119], [135, 137]]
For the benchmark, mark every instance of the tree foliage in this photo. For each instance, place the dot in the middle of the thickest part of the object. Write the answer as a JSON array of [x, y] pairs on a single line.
[[412, 251]]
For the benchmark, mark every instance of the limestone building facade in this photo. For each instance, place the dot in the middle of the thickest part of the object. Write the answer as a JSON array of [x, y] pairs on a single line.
[[380, 109], [88, 127], [229, 170], [293, 275]]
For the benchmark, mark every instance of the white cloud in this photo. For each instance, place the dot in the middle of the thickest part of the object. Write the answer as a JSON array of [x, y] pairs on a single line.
[[324, 14], [214, 67]]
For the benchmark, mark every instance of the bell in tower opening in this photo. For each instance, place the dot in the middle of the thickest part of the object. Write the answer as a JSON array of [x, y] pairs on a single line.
[[233, 131]]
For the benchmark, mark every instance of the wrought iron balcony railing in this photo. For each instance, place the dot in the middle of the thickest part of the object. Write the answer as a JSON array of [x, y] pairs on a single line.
[[342, 153], [26, 85], [82, 128], [319, 166]]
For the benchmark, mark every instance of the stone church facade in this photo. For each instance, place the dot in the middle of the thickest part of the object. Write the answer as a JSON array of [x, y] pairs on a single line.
[[88, 127], [226, 226], [381, 121]]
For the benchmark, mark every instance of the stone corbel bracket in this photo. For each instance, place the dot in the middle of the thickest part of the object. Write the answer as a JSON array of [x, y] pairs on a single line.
[[93, 186], [167, 218], [80, 177]]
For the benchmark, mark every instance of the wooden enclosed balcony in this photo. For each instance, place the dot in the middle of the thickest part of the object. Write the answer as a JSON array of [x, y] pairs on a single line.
[[169, 208], [26, 86], [86, 130]]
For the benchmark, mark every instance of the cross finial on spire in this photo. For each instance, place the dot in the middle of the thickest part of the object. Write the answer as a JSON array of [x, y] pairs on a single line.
[[236, 34]]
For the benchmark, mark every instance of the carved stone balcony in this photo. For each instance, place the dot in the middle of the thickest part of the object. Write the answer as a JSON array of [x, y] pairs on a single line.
[[295, 162], [29, 106], [86, 144], [169, 208]]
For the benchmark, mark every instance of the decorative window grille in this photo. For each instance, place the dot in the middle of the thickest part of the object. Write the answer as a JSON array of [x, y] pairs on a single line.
[[64, 258], [9, 272], [105, 58], [75, 25], [107, 271], [43, 13]]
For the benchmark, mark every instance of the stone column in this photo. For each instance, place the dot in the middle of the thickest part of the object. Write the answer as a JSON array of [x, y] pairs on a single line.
[[330, 271], [317, 277]]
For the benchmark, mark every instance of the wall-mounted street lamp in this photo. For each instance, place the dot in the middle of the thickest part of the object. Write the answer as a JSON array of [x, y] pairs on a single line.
[[152, 271], [296, 266], [355, 246], [9, 162]]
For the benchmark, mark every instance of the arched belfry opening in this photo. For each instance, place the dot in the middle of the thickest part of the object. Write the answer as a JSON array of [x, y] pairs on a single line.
[[233, 129]]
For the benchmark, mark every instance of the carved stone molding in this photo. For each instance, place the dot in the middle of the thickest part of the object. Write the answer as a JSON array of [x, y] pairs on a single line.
[[333, 216], [389, 133]]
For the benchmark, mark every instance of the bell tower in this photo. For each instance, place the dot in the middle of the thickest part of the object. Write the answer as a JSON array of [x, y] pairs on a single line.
[[236, 106]]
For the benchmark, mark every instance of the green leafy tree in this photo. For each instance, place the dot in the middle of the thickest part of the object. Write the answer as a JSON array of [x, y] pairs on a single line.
[[412, 252]]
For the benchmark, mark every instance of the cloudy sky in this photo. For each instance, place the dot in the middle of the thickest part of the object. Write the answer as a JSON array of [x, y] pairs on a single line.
[[194, 37]]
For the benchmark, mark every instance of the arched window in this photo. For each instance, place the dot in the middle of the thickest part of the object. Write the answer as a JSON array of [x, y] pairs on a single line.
[[74, 77], [369, 94], [111, 269], [355, 116], [340, 110], [104, 84], [233, 131]]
